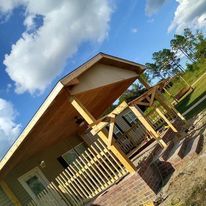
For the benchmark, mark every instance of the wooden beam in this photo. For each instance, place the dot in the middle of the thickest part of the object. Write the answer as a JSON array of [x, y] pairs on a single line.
[[114, 147], [148, 126], [143, 103], [111, 130], [73, 82], [153, 96], [99, 125], [31, 124], [171, 109], [185, 81], [175, 99], [166, 120], [180, 115], [9, 193], [146, 85]]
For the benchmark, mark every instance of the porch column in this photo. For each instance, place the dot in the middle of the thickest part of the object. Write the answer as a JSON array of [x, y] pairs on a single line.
[[9, 193], [158, 96], [147, 125], [170, 108], [170, 95], [114, 147], [166, 120]]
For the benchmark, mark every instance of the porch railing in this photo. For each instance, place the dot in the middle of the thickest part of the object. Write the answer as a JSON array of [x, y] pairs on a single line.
[[132, 138], [129, 139], [157, 122], [92, 172]]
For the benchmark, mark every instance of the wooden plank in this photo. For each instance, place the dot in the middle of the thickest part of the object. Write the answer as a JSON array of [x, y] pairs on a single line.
[[147, 125], [171, 109], [103, 176], [153, 96], [75, 198], [31, 124], [111, 130], [166, 120], [114, 147], [147, 104], [100, 124], [56, 190]]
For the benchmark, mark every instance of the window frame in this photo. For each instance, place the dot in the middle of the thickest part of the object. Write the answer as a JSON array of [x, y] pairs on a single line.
[[134, 120], [76, 152], [33, 172]]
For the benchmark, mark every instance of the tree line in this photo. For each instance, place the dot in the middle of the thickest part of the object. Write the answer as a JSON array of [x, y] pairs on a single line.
[[167, 62]]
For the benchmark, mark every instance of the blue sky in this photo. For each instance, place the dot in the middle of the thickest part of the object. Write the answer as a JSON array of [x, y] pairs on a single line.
[[44, 41]]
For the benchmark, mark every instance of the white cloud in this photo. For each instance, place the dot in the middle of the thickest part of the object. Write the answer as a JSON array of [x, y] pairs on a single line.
[[152, 6], [9, 129], [41, 53], [189, 13]]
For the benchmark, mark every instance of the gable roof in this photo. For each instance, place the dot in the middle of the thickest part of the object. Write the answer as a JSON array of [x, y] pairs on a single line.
[[54, 104]]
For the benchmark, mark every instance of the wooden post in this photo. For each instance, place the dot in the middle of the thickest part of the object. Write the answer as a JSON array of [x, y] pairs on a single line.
[[185, 81], [148, 126], [170, 108], [146, 85], [166, 120], [170, 95], [114, 147], [9, 193]]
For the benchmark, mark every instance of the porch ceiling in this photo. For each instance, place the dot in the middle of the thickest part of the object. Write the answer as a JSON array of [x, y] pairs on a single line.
[[58, 122]]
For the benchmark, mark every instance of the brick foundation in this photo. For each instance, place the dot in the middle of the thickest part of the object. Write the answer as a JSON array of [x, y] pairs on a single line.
[[135, 190]]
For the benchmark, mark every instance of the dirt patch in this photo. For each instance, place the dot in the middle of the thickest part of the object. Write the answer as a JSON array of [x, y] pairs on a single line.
[[187, 186]]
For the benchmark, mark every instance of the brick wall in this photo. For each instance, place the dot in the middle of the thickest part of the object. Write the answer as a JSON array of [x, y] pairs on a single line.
[[137, 189]]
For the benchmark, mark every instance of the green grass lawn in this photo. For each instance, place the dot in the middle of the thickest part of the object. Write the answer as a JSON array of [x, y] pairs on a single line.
[[199, 90], [196, 110]]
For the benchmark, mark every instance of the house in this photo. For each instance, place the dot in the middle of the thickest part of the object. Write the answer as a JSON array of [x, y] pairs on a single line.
[[53, 161]]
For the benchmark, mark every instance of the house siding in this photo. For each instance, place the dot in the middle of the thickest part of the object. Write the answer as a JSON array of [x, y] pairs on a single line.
[[4, 199], [52, 169], [121, 122]]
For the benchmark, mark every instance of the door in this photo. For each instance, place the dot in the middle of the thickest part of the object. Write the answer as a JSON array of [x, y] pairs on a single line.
[[35, 182]]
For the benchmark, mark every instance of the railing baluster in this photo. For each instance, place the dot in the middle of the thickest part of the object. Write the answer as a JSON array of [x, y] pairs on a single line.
[[73, 193], [88, 175]]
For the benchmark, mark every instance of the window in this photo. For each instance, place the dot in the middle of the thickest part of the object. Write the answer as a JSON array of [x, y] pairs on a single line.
[[34, 182], [130, 118], [117, 131], [73, 153], [35, 185]]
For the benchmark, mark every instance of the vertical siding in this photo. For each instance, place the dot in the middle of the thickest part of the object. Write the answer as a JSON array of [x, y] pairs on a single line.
[[4, 200], [52, 169], [121, 122]]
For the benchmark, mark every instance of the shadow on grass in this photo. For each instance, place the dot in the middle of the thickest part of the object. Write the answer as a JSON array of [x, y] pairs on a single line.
[[196, 110], [185, 105]]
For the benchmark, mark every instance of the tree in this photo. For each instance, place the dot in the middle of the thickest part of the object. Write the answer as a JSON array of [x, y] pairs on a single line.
[[200, 45], [166, 64], [155, 70], [135, 90], [190, 41], [183, 44]]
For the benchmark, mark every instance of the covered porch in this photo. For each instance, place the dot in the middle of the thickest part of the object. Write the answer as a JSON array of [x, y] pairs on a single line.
[[105, 162], [75, 107]]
